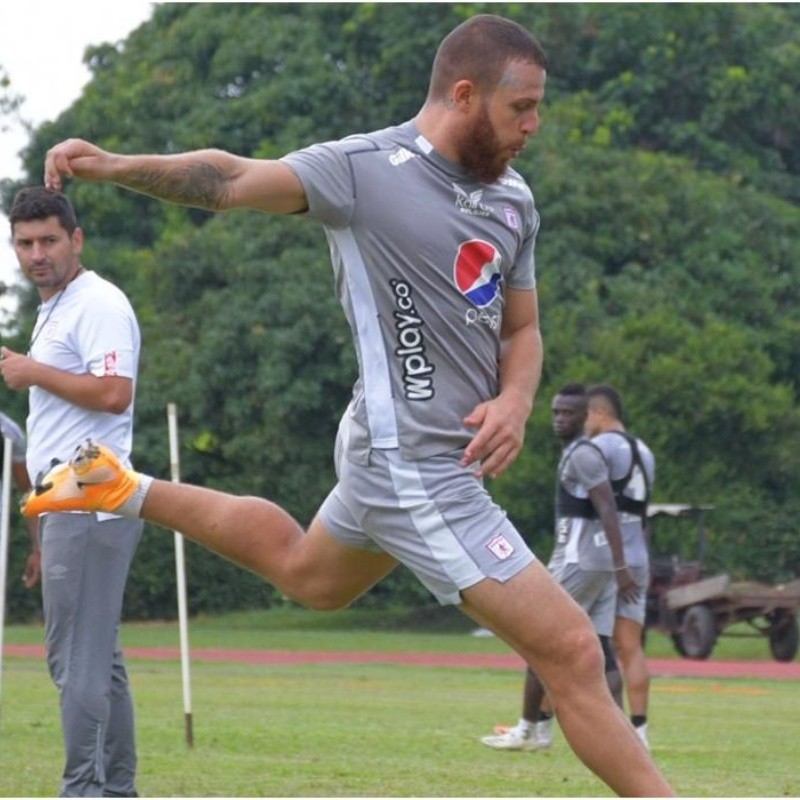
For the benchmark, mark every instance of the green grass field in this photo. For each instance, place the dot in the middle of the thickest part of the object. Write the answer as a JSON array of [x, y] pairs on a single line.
[[380, 730]]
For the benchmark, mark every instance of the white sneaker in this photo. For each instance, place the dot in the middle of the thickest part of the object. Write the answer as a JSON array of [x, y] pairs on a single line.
[[543, 733], [641, 732], [538, 738]]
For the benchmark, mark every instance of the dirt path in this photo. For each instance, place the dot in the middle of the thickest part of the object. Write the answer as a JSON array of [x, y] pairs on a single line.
[[663, 667]]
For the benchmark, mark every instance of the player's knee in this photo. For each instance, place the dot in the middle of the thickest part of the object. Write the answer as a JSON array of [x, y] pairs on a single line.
[[582, 656], [91, 697], [590, 662]]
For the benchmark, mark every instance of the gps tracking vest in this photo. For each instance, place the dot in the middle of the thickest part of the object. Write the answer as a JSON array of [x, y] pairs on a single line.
[[568, 505]]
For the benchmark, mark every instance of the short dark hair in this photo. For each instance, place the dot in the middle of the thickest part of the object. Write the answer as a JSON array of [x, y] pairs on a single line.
[[479, 50], [612, 397], [572, 389], [39, 203]]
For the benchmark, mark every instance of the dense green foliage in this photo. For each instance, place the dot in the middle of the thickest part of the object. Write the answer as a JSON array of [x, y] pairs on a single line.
[[667, 175]]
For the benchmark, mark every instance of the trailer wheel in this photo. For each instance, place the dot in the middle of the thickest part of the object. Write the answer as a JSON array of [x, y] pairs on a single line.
[[784, 636], [678, 642], [698, 632]]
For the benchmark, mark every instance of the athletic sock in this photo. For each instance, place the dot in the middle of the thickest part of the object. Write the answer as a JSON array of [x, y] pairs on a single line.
[[544, 716], [132, 507], [638, 720], [524, 726]]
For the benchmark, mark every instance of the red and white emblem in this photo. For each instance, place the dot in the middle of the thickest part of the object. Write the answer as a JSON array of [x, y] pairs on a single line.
[[500, 547], [110, 363]]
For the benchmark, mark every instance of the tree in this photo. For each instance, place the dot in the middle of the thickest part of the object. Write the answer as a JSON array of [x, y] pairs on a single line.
[[715, 83], [10, 101]]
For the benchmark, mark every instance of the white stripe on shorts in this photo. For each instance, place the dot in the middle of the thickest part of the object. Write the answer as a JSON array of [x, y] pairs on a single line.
[[429, 523]]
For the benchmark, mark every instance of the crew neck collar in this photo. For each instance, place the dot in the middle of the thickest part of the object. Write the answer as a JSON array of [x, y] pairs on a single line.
[[429, 151]]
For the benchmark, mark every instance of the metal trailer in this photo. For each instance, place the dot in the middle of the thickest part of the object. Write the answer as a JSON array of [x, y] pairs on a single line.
[[695, 609]]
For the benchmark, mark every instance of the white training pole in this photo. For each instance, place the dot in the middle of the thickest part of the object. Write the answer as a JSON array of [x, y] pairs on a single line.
[[5, 516], [180, 570]]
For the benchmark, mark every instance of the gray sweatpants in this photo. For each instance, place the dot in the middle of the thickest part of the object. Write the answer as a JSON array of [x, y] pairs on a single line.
[[85, 565]]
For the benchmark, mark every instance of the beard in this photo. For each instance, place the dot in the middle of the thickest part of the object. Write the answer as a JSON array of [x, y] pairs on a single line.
[[479, 150]]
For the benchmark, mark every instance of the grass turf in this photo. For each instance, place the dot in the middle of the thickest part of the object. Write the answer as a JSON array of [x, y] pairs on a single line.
[[381, 730]]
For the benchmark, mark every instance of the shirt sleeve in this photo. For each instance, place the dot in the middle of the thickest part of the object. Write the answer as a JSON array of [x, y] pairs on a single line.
[[109, 338], [589, 466], [327, 178], [522, 275]]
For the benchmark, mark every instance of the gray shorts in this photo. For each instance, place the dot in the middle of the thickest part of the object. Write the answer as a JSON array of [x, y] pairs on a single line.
[[636, 610], [434, 516], [594, 592]]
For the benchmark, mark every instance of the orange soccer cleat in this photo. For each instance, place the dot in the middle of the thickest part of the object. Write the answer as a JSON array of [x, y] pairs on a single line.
[[92, 480]]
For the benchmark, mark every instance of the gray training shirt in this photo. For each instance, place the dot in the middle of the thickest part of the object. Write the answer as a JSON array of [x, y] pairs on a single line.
[[618, 456], [422, 255], [580, 540]]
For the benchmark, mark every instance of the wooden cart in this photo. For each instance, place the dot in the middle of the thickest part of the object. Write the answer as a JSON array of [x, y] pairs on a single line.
[[695, 610]]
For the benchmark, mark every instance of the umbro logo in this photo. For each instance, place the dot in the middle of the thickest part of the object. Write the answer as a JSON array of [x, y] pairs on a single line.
[[400, 156], [58, 572]]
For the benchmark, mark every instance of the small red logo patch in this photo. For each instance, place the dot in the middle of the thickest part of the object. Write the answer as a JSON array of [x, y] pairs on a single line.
[[500, 547], [110, 363]]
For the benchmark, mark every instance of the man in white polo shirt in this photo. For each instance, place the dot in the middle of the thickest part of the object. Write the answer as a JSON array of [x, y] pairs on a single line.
[[80, 371]]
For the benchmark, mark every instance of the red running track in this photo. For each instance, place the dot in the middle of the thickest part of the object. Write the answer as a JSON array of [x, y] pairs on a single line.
[[662, 667]]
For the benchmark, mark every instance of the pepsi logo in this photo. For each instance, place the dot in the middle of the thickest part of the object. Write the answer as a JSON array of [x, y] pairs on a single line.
[[477, 272]]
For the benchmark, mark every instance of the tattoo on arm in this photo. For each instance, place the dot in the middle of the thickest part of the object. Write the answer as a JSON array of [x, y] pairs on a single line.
[[198, 184]]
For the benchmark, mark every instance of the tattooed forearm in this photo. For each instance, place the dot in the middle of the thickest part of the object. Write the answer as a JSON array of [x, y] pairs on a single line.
[[199, 184]]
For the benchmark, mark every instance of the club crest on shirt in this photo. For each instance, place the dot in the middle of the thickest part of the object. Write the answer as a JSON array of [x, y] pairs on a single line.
[[512, 218], [110, 363]]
